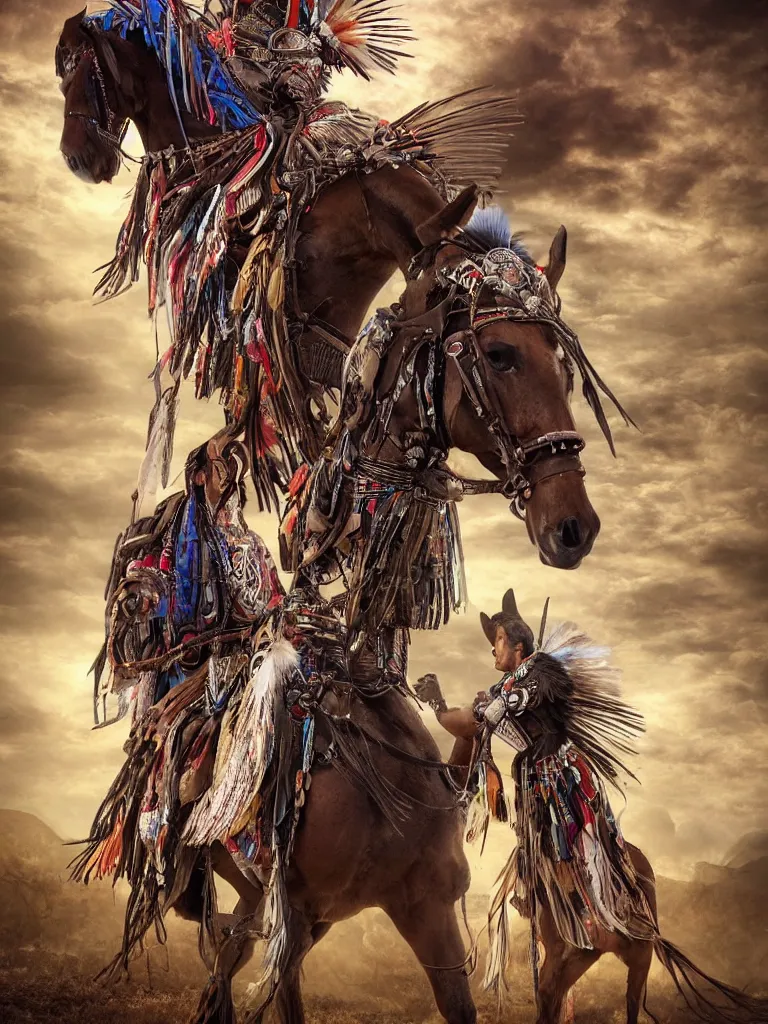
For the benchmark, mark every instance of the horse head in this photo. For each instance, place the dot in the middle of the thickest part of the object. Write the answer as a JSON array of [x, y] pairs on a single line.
[[483, 362], [110, 76]]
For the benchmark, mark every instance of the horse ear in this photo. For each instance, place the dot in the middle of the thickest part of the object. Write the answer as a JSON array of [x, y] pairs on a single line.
[[453, 215], [71, 28], [509, 605], [488, 629], [556, 263]]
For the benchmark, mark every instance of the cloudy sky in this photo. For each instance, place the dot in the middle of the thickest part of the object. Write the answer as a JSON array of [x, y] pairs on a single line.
[[645, 135]]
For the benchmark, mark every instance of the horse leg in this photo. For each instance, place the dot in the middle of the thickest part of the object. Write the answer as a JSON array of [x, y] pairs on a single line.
[[432, 931], [554, 984], [563, 966], [639, 963], [301, 936], [216, 1005], [239, 932], [637, 954]]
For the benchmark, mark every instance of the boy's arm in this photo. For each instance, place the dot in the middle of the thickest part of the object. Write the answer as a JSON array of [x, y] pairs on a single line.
[[459, 722]]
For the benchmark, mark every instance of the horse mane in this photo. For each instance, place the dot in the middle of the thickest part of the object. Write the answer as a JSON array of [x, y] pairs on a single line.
[[178, 36], [490, 229]]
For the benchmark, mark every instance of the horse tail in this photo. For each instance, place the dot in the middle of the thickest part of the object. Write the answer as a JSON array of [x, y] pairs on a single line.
[[733, 1006]]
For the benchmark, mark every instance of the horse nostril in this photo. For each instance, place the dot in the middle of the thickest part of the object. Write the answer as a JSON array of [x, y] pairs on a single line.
[[570, 533]]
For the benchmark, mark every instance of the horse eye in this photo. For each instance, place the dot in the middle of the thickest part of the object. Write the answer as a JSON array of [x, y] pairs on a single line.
[[503, 358]]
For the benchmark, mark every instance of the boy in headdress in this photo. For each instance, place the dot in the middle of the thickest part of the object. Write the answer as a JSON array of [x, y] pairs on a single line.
[[557, 704]]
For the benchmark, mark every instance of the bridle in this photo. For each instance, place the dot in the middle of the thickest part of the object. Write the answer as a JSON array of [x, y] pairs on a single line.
[[527, 461], [66, 66]]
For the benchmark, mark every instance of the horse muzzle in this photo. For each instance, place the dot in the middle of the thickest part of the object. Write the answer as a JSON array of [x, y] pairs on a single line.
[[564, 546], [90, 166], [561, 521], [86, 153]]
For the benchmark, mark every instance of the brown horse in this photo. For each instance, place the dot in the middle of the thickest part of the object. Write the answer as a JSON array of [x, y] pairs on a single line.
[[358, 232], [464, 364], [564, 964], [347, 856]]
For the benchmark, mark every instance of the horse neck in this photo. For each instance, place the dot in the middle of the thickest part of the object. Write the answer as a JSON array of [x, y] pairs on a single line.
[[398, 201], [156, 118], [358, 233], [158, 126]]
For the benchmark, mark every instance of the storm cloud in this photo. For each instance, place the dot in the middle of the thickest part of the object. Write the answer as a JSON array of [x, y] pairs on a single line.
[[644, 133]]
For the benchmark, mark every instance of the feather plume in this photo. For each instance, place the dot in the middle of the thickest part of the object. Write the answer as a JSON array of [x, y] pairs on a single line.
[[490, 229], [156, 465], [464, 136], [364, 34], [242, 762], [600, 723]]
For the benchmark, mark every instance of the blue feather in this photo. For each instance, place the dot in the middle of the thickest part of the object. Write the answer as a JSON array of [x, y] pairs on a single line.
[[232, 108], [593, 653], [491, 229]]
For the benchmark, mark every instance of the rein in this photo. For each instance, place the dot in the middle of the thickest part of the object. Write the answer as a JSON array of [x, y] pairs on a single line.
[[397, 752]]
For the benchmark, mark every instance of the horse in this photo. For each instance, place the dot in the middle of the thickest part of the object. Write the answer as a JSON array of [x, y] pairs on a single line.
[[355, 234], [348, 854], [511, 359], [421, 870], [479, 328]]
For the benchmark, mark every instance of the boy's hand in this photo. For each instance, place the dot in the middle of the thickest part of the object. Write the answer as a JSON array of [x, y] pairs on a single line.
[[428, 689]]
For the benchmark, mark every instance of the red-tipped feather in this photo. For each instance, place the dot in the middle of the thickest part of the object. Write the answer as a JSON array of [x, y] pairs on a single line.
[[366, 35]]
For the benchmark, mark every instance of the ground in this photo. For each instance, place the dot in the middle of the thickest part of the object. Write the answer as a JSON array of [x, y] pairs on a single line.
[[55, 936]]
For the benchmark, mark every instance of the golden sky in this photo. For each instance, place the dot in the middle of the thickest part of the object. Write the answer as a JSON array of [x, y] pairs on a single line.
[[644, 133]]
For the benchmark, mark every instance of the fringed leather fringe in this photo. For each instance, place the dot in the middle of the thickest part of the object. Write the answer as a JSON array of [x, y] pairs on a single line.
[[400, 553]]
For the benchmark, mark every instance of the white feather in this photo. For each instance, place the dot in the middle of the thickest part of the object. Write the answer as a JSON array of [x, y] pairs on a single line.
[[248, 755]]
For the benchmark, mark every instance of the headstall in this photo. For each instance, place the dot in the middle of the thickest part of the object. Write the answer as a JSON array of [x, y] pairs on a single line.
[[67, 66], [529, 300]]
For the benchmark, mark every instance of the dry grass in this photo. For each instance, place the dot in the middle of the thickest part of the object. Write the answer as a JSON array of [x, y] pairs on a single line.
[[40, 987]]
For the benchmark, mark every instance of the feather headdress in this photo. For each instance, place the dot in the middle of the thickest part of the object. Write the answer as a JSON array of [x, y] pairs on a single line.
[[600, 723], [362, 33]]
